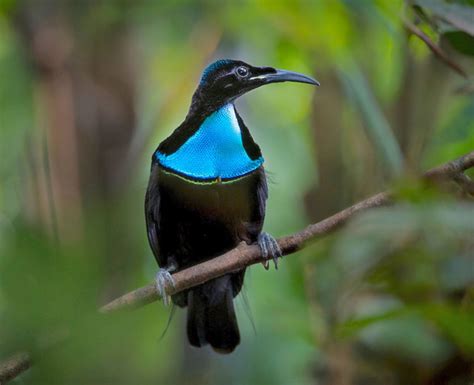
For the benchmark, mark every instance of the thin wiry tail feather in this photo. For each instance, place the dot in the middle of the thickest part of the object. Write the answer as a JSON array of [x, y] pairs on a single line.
[[247, 308], [168, 323]]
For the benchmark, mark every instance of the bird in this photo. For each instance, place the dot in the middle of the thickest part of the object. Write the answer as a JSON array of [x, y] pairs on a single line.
[[207, 193]]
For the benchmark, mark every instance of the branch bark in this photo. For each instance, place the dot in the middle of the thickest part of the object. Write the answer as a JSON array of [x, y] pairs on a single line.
[[14, 366], [437, 51], [245, 255]]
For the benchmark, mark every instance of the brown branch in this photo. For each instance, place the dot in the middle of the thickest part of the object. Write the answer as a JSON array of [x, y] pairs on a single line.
[[450, 169], [246, 255], [437, 51], [12, 367], [242, 256], [465, 182]]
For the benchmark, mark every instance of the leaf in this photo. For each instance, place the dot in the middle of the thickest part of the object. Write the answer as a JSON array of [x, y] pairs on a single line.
[[461, 42], [457, 324], [377, 126], [386, 325], [351, 327], [459, 16]]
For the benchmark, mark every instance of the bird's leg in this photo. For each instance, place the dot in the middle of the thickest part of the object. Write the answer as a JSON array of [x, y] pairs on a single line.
[[270, 249], [163, 278]]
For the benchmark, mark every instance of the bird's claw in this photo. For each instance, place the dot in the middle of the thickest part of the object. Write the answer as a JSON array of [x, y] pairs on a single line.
[[270, 249], [163, 280]]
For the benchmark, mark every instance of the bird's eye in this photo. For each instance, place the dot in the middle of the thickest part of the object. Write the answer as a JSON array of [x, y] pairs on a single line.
[[242, 71]]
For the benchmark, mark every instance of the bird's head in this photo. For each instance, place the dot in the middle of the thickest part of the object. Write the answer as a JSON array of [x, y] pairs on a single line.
[[225, 80]]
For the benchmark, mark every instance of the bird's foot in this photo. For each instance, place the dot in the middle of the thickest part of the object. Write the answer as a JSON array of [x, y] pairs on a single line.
[[164, 279], [270, 249]]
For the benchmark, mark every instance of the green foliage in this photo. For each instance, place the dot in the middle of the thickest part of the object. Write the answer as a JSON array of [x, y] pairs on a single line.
[[391, 290], [453, 21], [377, 127], [404, 257], [461, 41], [456, 15]]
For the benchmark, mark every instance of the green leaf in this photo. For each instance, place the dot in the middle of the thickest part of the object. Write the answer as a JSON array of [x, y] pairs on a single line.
[[459, 16], [461, 42], [353, 326], [453, 321], [377, 126], [457, 325]]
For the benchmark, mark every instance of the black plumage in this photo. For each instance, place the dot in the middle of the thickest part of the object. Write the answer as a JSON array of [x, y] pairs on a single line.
[[192, 219]]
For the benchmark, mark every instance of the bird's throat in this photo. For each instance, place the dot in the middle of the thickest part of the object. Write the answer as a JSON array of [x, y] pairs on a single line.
[[214, 152]]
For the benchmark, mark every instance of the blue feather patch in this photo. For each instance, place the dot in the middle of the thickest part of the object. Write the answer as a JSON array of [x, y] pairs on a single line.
[[215, 150]]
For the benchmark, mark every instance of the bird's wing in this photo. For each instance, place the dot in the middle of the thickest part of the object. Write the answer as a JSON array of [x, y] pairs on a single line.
[[253, 228], [252, 148], [261, 192], [260, 202], [152, 213]]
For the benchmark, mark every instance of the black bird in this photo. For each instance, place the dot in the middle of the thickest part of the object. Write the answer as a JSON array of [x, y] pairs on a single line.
[[207, 193]]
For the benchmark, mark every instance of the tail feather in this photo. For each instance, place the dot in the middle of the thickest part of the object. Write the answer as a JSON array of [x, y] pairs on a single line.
[[221, 328], [196, 320], [212, 320]]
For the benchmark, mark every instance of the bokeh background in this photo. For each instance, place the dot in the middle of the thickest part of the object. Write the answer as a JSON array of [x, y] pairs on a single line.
[[89, 88]]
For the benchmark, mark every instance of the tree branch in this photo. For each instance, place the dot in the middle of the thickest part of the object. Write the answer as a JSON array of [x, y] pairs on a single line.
[[465, 182], [437, 51], [242, 256], [13, 367], [246, 255]]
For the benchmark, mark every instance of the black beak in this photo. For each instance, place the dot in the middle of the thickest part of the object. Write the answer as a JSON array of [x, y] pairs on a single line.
[[287, 76]]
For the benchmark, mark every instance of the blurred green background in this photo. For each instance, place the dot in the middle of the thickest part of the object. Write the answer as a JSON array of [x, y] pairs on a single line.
[[89, 88]]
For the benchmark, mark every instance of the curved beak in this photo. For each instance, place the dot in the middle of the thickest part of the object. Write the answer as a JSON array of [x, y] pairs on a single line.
[[286, 76]]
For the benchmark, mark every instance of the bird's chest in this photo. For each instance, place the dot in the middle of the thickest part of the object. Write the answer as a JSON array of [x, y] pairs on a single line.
[[215, 151], [217, 202], [200, 221]]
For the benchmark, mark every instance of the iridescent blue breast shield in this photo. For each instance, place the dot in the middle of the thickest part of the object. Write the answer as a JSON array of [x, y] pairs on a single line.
[[215, 151]]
